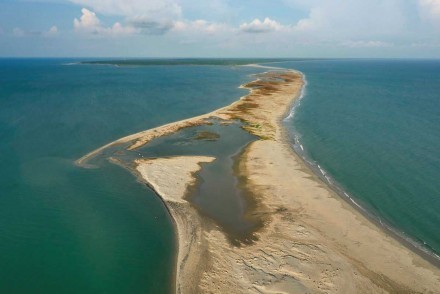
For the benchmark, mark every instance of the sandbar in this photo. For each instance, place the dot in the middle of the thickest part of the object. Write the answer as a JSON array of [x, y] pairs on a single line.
[[312, 241]]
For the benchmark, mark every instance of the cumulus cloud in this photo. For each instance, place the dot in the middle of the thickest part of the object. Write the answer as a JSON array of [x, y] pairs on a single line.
[[87, 22], [257, 26], [133, 7], [150, 16], [90, 23], [321, 25], [200, 25]]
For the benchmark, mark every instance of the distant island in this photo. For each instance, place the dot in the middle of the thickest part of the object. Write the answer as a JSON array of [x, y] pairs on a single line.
[[186, 61]]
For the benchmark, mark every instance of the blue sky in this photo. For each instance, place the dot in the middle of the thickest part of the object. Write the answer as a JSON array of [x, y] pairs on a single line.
[[220, 28]]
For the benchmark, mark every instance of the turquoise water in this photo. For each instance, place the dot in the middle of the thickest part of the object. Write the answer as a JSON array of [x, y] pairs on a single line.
[[65, 229], [374, 127]]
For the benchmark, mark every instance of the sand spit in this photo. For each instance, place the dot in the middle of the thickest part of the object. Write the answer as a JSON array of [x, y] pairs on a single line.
[[311, 242], [238, 109]]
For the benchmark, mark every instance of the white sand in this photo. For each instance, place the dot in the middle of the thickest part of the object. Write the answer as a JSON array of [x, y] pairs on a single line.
[[171, 177]]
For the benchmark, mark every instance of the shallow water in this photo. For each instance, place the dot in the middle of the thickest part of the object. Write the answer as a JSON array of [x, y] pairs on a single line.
[[217, 193]]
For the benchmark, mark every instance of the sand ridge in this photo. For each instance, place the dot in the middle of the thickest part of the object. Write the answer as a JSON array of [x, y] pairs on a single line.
[[312, 241]]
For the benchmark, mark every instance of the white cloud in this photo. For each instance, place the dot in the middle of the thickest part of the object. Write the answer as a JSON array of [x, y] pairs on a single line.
[[432, 5], [19, 32], [200, 26], [118, 29], [315, 26], [53, 31], [90, 23], [202, 33], [151, 10], [313, 22], [345, 18], [257, 26]]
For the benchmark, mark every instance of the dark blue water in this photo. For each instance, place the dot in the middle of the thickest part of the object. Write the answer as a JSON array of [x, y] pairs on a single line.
[[65, 229], [374, 126]]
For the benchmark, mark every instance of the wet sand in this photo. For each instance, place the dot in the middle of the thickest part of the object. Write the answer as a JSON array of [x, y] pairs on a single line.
[[312, 241]]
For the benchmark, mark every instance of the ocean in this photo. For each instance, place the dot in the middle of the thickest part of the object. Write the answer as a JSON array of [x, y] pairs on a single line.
[[66, 229], [372, 126]]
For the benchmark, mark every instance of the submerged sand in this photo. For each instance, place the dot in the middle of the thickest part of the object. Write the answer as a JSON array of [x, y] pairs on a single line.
[[311, 242]]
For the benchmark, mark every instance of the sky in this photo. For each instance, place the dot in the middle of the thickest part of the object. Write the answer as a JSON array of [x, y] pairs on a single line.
[[220, 28]]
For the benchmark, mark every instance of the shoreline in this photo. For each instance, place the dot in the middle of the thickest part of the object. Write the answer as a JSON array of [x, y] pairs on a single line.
[[413, 245], [298, 149], [155, 173], [264, 118]]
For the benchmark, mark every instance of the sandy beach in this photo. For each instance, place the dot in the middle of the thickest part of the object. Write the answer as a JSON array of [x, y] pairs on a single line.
[[312, 241]]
